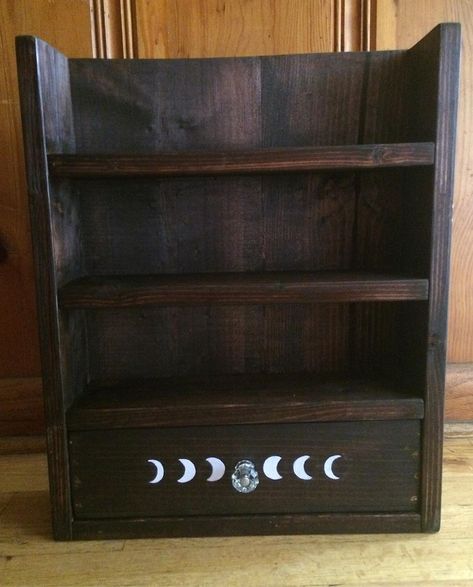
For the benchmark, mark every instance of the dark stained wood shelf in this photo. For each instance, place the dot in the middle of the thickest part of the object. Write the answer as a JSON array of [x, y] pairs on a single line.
[[165, 213], [240, 399], [242, 162], [239, 288]]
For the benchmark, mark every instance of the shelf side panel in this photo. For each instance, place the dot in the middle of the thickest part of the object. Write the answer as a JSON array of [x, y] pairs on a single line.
[[434, 71], [47, 124]]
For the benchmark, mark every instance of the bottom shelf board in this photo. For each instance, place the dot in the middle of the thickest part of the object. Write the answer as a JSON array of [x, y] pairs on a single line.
[[240, 399], [174, 527]]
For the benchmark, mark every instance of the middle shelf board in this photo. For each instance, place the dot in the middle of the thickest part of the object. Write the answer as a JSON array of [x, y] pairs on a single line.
[[264, 160], [240, 399], [239, 288]]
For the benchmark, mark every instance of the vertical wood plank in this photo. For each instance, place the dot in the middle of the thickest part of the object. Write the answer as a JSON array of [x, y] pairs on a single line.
[[113, 28], [354, 25], [36, 63], [434, 79], [218, 28], [449, 48]]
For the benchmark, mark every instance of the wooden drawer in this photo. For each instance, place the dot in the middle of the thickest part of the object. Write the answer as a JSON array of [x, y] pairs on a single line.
[[370, 466]]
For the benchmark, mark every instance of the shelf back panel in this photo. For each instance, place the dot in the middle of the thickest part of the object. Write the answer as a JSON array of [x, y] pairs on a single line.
[[294, 222], [233, 103], [133, 343]]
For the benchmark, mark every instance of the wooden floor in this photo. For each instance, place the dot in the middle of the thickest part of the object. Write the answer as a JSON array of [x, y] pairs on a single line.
[[29, 557]]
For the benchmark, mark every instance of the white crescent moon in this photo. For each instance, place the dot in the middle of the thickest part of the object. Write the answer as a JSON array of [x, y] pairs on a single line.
[[159, 470], [189, 471], [218, 469], [270, 467], [328, 466], [299, 470]]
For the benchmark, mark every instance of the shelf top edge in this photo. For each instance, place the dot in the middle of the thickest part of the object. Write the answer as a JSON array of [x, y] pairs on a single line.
[[302, 149], [247, 161]]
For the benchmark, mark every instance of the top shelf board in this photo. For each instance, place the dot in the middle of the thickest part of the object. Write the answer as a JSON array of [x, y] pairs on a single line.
[[243, 162], [237, 288]]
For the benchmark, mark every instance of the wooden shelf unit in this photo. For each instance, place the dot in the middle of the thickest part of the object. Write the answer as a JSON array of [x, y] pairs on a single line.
[[242, 259]]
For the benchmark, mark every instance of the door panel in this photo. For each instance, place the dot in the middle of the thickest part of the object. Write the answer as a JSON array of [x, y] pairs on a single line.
[[219, 28]]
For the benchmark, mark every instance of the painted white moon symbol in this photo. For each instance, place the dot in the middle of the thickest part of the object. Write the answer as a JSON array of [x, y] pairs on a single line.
[[218, 469], [270, 467], [328, 466], [189, 471], [159, 471], [299, 470]]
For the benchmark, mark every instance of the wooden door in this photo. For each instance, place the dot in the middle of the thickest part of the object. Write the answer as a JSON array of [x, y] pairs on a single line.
[[65, 24], [205, 28]]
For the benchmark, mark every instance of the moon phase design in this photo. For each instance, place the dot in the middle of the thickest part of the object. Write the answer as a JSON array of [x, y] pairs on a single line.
[[159, 470], [328, 466], [270, 467], [299, 469], [189, 471], [218, 469]]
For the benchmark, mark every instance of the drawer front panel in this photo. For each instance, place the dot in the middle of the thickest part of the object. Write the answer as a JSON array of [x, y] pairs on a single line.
[[301, 468]]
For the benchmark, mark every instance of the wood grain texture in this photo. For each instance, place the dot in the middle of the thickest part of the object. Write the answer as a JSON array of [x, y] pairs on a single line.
[[355, 25], [240, 399], [238, 288], [18, 445], [256, 161], [188, 112], [100, 459], [22, 406], [66, 24], [113, 28], [400, 24], [37, 65], [263, 525], [437, 118], [459, 392], [212, 28], [218, 340]]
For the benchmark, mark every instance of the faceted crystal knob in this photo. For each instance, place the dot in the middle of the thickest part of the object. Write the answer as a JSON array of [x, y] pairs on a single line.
[[245, 477]]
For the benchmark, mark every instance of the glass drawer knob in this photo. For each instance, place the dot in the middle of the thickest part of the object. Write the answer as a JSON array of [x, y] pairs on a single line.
[[245, 477]]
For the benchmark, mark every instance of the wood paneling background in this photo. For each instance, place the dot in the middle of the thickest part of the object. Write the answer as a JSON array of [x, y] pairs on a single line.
[[65, 24], [191, 28], [219, 28]]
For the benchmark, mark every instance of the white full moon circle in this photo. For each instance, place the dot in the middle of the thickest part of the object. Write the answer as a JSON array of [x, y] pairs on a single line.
[[299, 468], [328, 467], [270, 467], [189, 471], [218, 469], [159, 470]]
